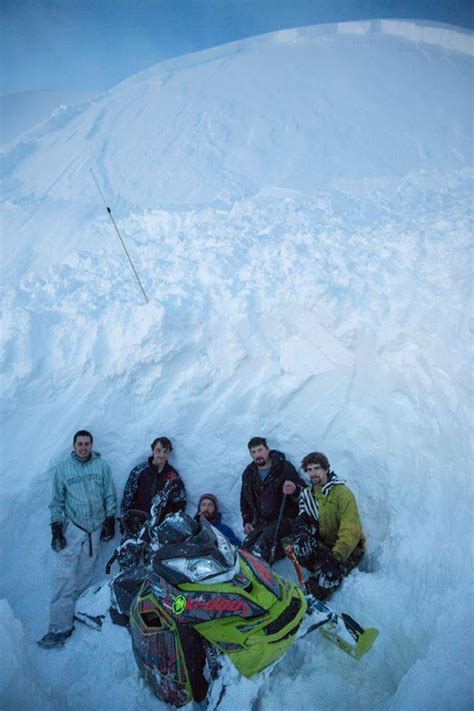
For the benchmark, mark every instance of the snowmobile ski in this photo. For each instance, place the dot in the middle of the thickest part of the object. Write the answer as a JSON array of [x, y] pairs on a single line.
[[342, 630]]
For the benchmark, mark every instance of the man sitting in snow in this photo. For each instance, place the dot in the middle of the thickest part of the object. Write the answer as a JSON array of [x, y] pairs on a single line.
[[82, 514], [208, 507], [328, 538], [155, 478], [264, 482]]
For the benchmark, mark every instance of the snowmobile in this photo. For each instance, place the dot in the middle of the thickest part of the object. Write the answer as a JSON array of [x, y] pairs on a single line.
[[199, 598]]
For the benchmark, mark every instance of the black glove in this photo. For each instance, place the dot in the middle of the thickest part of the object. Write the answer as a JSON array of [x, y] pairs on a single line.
[[129, 553], [304, 545], [58, 542], [305, 540], [331, 572], [108, 531]]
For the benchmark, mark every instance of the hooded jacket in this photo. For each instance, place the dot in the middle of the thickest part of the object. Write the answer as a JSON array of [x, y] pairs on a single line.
[[260, 500], [83, 491]]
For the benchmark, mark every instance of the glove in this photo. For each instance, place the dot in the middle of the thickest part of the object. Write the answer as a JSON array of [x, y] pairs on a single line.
[[108, 531], [305, 539], [58, 542], [129, 553], [303, 545], [331, 573]]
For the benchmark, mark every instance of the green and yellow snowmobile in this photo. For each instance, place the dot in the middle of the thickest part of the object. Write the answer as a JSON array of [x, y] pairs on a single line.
[[201, 596]]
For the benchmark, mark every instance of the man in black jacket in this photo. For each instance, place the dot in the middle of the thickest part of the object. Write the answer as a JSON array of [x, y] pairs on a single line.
[[264, 482], [152, 478]]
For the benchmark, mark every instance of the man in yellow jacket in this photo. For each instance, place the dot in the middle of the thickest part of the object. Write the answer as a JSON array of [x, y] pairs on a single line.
[[328, 536]]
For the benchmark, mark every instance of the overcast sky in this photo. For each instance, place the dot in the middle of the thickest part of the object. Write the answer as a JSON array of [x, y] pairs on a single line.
[[94, 44]]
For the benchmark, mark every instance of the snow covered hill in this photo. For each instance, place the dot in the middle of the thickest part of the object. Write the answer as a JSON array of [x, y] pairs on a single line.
[[298, 206], [22, 110]]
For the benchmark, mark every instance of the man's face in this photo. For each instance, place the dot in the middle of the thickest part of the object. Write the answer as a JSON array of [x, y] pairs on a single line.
[[260, 455], [160, 454], [83, 447], [207, 508], [317, 474]]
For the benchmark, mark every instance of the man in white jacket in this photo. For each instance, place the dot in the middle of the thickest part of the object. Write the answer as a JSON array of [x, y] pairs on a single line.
[[82, 514]]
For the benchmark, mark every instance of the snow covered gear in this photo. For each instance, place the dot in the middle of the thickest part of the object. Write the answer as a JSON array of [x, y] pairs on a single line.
[[74, 567], [83, 492], [200, 592], [54, 639], [145, 482], [108, 530], [200, 600], [58, 542]]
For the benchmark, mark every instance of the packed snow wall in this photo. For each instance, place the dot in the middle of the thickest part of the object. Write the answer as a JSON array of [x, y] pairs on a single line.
[[298, 207]]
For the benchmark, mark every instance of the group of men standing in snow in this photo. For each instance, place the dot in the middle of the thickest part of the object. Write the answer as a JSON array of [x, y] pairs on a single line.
[[277, 506]]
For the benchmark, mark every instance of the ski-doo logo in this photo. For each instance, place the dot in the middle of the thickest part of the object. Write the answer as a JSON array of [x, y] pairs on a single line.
[[179, 604], [218, 604]]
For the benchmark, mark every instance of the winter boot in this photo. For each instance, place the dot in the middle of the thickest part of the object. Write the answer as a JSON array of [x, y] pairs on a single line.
[[54, 639]]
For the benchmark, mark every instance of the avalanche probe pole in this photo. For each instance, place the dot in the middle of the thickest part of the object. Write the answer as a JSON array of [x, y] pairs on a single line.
[[277, 530], [119, 236]]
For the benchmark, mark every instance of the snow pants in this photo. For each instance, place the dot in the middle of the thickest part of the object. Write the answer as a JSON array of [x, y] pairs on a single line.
[[260, 540], [74, 568]]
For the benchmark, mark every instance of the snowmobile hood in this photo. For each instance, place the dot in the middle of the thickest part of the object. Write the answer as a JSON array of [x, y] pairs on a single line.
[[204, 555]]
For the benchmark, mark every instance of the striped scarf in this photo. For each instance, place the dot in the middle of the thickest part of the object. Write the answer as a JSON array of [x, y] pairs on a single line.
[[332, 481], [307, 503]]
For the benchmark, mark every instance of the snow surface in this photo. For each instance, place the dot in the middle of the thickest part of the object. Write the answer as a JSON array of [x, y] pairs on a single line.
[[22, 110], [298, 207]]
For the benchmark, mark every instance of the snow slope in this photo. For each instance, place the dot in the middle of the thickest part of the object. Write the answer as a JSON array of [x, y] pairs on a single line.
[[22, 110], [298, 206]]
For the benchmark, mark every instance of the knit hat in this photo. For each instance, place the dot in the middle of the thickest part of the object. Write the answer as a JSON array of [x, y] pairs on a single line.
[[212, 498]]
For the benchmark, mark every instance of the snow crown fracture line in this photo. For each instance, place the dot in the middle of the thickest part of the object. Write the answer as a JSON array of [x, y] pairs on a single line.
[[119, 235]]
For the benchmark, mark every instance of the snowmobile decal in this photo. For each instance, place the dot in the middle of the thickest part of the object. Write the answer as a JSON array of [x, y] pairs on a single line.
[[179, 604], [263, 572], [217, 614]]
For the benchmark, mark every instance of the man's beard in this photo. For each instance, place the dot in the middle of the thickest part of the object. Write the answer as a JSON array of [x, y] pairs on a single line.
[[260, 462], [207, 515]]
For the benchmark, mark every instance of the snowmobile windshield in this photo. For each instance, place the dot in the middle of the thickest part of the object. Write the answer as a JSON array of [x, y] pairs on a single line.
[[197, 570], [206, 555]]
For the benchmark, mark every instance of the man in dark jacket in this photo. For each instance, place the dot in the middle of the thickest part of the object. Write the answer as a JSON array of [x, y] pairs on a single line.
[[264, 482], [155, 477], [208, 507]]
